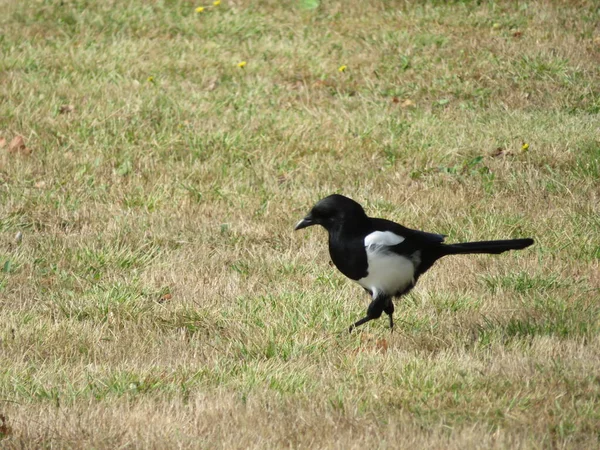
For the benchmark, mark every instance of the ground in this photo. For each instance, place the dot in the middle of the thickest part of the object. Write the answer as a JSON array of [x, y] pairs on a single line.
[[153, 293]]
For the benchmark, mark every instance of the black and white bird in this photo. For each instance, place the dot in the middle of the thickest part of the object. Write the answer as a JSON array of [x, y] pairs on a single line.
[[385, 258]]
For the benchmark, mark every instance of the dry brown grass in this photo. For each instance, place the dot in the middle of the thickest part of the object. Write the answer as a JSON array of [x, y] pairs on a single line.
[[159, 298]]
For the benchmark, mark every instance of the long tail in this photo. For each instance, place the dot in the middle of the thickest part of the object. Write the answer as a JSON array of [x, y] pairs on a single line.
[[493, 247]]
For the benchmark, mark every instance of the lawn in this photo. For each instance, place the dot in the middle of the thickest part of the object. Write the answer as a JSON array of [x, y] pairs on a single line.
[[153, 293]]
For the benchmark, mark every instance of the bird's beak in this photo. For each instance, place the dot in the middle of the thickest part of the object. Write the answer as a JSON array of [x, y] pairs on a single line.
[[306, 222]]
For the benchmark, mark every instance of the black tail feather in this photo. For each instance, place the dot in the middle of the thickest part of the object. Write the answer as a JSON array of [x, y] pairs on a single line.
[[493, 247]]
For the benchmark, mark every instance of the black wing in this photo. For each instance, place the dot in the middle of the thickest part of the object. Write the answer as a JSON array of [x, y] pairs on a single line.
[[428, 245], [416, 237]]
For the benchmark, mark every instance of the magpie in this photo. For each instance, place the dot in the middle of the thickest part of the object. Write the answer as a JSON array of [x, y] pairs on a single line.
[[384, 257]]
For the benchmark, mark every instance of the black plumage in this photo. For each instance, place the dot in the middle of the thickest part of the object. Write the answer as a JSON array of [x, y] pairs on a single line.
[[384, 257]]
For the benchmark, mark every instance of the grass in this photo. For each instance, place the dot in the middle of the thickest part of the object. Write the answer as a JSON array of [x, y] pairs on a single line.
[[159, 297]]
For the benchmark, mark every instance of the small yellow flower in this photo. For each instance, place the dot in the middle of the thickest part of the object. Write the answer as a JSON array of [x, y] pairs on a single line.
[[150, 79], [342, 68], [525, 147], [200, 9], [216, 2], [242, 64]]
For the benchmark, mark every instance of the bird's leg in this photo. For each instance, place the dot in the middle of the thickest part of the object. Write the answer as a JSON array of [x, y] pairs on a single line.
[[373, 312], [359, 322], [389, 310]]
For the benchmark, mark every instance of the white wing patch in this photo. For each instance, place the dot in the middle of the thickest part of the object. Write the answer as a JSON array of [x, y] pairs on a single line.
[[388, 272], [382, 238]]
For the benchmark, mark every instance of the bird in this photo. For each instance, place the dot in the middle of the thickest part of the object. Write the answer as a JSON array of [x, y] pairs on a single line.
[[382, 256]]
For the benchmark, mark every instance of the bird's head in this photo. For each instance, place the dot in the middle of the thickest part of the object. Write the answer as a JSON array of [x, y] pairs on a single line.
[[332, 212]]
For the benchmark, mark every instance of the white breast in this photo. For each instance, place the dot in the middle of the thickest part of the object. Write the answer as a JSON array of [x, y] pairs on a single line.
[[388, 272]]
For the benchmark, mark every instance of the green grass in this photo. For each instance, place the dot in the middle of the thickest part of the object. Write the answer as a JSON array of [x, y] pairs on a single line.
[[159, 297]]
